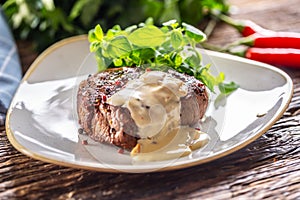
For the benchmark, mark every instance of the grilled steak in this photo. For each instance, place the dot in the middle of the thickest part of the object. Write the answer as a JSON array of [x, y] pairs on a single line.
[[108, 123]]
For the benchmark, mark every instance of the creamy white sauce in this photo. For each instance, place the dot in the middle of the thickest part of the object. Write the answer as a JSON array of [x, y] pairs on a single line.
[[154, 103]]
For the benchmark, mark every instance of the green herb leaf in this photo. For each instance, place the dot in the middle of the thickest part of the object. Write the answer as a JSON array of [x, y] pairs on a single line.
[[227, 88], [193, 61], [94, 46], [177, 59], [176, 39], [148, 36], [207, 78], [119, 47], [102, 65], [194, 33], [118, 62], [172, 23], [170, 46], [98, 32], [131, 28]]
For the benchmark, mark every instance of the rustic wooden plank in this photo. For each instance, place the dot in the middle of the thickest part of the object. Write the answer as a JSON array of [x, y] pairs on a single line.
[[234, 174]]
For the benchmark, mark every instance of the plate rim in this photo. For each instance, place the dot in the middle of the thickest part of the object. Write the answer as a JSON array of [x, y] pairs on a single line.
[[185, 164]]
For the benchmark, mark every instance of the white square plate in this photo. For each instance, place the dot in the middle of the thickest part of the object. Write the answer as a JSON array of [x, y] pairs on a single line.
[[42, 124]]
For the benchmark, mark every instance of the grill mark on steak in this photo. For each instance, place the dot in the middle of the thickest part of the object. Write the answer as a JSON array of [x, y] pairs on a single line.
[[113, 124]]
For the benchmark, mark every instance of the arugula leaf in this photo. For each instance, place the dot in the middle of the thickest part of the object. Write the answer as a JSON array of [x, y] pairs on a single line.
[[146, 45]]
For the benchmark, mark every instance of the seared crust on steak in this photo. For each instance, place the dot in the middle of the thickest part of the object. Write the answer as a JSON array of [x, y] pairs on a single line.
[[107, 123]]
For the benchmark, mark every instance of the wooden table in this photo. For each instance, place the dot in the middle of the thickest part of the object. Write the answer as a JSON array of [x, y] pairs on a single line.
[[268, 168]]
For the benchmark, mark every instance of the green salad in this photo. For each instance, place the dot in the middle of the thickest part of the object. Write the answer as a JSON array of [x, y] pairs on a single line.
[[145, 45]]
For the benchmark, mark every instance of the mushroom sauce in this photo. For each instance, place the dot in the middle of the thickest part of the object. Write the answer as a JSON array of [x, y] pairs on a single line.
[[154, 103]]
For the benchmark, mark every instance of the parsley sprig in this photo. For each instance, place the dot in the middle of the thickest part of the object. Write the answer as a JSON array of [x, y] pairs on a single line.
[[146, 45]]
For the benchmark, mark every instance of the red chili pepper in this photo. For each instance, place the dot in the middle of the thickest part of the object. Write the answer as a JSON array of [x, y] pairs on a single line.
[[264, 37], [279, 40], [245, 27], [285, 57]]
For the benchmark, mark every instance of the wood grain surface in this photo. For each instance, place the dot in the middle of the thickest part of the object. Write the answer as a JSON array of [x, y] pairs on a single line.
[[268, 168]]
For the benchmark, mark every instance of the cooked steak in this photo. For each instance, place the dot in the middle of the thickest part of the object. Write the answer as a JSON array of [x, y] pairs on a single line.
[[108, 123]]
